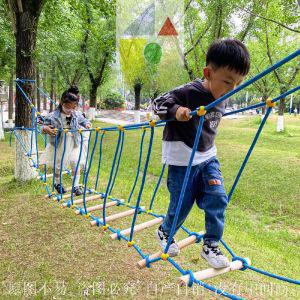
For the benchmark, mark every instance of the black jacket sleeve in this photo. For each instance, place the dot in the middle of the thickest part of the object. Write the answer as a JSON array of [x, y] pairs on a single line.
[[166, 105]]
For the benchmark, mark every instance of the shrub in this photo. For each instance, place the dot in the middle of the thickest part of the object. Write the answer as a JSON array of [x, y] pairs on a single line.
[[112, 101]]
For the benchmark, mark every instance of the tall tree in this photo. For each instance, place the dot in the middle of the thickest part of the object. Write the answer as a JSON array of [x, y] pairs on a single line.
[[206, 21], [98, 45], [7, 56], [25, 15], [277, 29]]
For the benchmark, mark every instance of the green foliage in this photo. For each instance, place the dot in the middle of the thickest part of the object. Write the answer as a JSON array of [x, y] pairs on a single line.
[[7, 43], [66, 26], [250, 21], [111, 101]]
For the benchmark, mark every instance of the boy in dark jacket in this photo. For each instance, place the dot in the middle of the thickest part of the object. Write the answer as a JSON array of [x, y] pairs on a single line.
[[227, 63]]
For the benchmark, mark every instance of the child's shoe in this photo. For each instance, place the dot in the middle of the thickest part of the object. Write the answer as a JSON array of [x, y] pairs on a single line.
[[60, 188], [213, 255], [78, 190], [163, 240]]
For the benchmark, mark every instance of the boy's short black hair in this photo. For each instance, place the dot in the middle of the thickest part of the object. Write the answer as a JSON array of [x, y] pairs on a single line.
[[229, 53]]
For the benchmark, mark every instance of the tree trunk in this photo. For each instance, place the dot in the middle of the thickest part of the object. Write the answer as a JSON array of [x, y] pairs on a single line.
[[25, 45], [26, 19], [188, 69], [93, 95], [263, 109], [93, 102], [11, 98], [23, 169], [38, 85], [137, 96], [52, 88], [2, 137], [34, 100], [281, 109], [45, 100], [137, 102]]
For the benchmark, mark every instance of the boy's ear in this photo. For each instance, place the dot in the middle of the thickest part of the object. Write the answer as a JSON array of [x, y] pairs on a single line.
[[207, 73]]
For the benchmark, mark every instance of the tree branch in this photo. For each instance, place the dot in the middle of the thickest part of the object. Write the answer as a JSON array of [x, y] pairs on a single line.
[[77, 76], [20, 6], [296, 71], [220, 21], [99, 78], [270, 58], [11, 8], [84, 46], [195, 52], [63, 70], [187, 6], [243, 33], [198, 39], [270, 20]]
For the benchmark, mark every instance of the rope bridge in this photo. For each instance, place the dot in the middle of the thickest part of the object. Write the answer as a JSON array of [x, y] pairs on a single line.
[[105, 200]]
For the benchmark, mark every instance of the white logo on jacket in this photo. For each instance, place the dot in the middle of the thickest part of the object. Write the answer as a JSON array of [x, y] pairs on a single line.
[[213, 118]]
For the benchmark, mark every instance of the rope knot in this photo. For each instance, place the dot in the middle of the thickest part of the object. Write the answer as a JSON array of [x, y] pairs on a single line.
[[152, 123], [118, 232], [164, 256], [201, 111], [105, 227], [269, 103], [97, 222], [130, 243], [243, 260], [191, 278], [147, 261], [197, 235]]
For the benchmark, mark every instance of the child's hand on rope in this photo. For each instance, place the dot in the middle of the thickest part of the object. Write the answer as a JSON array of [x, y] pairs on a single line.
[[183, 114], [88, 125], [49, 130]]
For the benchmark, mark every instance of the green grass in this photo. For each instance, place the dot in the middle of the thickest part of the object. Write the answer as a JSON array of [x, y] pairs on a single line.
[[59, 255]]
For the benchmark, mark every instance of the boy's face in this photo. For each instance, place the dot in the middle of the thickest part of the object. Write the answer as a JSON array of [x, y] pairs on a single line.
[[220, 81]]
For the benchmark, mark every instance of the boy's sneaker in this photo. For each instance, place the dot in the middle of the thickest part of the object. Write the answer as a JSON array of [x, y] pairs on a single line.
[[78, 190], [213, 255], [60, 188], [163, 240]]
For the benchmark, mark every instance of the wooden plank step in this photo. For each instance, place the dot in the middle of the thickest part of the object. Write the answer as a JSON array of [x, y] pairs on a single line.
[[211, 272], [181, 244], [51, 174], [116, 216], [138, 227], [87, 199], [98, 207]]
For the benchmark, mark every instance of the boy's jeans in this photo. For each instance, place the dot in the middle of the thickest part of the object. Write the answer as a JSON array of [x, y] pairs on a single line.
[[205, 186]]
